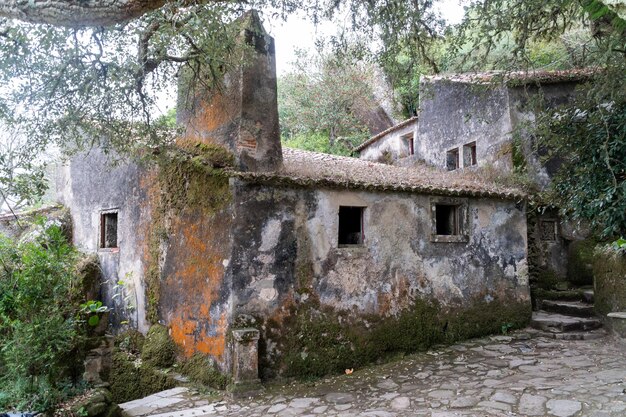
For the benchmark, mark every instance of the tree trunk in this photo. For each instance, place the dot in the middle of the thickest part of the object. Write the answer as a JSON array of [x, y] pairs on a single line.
[[332, 136]]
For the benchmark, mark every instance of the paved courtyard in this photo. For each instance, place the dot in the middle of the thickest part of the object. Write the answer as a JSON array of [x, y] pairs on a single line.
[[513, 375]]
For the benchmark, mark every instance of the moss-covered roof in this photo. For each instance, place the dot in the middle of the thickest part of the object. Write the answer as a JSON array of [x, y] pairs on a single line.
[[312, 169]]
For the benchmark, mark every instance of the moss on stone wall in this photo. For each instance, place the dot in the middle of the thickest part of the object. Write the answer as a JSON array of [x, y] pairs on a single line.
[[579, 262], [314, 342], [547, 279], [609, 269], [130, 379], [158, 348], [201, 370], [190, 177], [133, 376]]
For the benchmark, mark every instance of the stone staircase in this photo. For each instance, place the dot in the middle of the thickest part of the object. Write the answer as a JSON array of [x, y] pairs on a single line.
[[567, 315]]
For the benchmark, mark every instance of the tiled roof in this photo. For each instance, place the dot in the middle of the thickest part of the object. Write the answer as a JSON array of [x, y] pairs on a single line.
[[517, 77], [384, 133], [304, 168]]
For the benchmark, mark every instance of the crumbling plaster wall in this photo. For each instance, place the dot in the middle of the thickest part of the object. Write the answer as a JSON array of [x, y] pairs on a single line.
[[87, 185], [285, 253], [172, 261], [391, 147], [453, 114]]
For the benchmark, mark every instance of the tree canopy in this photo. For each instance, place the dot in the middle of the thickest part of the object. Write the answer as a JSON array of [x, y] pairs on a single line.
[[82, 72], [327, 95]]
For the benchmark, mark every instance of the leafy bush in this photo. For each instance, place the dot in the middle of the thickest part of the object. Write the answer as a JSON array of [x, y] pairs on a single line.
[[318, 142], [39, 332]]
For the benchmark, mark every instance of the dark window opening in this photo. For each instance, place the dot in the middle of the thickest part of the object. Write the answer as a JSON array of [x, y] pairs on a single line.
[[108, 230], [547, 229], [452, 159], [350, 225], [409, 141], [469, 154], [447, 220]]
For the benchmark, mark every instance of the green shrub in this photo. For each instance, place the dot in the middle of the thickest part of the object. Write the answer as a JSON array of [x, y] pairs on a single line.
[[39, 333]]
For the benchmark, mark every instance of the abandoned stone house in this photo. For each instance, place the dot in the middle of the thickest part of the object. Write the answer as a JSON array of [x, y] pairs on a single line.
[[476, 121], [334, 260]]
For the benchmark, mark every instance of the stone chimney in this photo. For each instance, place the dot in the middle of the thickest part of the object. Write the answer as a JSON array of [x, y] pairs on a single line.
[[242, 113]]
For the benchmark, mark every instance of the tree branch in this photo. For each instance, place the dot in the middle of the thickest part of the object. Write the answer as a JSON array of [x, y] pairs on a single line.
[[77, 13]]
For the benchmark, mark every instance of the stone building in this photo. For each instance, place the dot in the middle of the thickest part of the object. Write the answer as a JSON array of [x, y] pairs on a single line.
[[335, 261], [470, 121]]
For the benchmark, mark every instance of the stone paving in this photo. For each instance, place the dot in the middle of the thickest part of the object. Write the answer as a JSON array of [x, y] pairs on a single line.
[[516, 375]]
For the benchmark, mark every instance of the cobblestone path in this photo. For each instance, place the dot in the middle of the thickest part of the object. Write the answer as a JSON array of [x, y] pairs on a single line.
[[497, 376]]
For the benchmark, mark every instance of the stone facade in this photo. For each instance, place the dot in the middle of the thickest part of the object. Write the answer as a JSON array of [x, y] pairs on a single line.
[[393, 144], [335, 261], [473, 121]]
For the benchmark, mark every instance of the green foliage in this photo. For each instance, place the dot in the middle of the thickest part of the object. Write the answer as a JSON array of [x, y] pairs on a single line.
[[93, 309], [620, 243], [22, 171], [39, 331], [326, 95], [318, 142], [588, 137]]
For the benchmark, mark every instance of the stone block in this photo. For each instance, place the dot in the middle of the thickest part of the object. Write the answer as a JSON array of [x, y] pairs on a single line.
[[246, 356], [617, 323]]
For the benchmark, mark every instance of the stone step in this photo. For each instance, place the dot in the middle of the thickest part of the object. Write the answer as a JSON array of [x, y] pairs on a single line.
[[588, 296], [568, 308], [558, 323], [587, 335]]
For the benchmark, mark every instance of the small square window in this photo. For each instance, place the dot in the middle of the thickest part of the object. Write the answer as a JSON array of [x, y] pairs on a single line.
[[108, 230], [469, 154], [452, 159], [350, 225], [449, 220], [547, 230]]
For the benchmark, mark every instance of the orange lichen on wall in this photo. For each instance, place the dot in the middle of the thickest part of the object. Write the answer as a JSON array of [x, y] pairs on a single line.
[[210, 116], [192, 291]]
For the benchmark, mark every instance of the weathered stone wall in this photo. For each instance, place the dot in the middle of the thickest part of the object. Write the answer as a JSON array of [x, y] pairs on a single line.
[[172, 245], [242, 114], [453, 114], [609, 272], [290, 274], [89, 185], [391, 147], [524, 101]]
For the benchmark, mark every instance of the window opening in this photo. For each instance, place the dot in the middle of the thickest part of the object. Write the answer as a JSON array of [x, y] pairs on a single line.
[[409, 141], [447, 219], [547, 229], [452, 159], [108, 230], [469, 154], [350, 225]]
